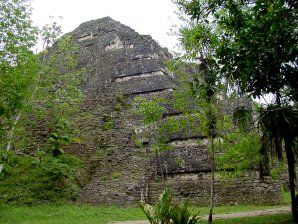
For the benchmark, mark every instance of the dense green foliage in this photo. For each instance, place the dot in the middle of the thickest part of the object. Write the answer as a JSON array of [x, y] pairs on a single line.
[[252, 46], [165, 212], [38, 94], [57, 95], [33, 181], [243, 48], [18, 64], [237, 142], [252, 42], [151, 110], [240, 152]]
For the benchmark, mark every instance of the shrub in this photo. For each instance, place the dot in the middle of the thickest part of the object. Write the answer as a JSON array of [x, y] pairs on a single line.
[[30, 181], [180, 214], [165, 212]]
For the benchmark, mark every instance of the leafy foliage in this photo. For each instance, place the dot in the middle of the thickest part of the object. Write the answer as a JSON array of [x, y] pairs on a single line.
[[279, 125], [239, 152], [151, 110], [252, 42], [17, 34], [180, 214], [44, 90], [236, 141], [59, 137], [165, 212], [252, 45], [108, 122], [57, 95], [242, 118], [26, 180], [18, 64], [50, 33]]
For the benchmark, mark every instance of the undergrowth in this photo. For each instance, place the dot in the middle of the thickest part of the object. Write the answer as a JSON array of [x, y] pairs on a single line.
[[31, 181]]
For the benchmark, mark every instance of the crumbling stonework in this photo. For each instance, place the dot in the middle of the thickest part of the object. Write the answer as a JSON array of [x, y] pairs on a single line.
[[228, 191], [120, 65]]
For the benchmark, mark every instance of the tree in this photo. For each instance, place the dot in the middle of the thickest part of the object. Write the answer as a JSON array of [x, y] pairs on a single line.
[[34, 90], [57, 94], [252, 44], [196, 99], [18, 64], [17, 61], [45, 83]]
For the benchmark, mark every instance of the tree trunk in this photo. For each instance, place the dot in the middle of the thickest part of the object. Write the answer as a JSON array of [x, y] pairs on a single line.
[[17, 118], [11, 132], [212, 176], [160, 165], [10, 137], [292, 174], [264, 162]]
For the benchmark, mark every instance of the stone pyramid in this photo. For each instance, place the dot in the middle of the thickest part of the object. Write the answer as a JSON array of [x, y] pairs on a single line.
[[120, 65]]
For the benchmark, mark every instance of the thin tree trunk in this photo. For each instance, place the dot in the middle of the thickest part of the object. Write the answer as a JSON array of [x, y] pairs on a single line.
[[212, 177], [292, 174], [17, 118], [264, 163], [160, 165], [10, 136], [11, 132]]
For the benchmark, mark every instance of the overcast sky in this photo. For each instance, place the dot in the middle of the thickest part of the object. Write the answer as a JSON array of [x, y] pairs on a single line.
[[152, 17]]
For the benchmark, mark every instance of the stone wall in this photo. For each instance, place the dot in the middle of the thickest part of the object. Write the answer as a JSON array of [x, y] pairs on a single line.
[[228, 191]]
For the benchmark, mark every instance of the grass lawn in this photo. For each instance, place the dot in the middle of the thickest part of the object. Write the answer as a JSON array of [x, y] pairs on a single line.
[[73, 214], [233, 209], [266, 219], [67, 214]]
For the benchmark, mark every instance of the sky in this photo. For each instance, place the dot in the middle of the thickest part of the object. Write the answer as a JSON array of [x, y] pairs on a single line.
[[150, 17]]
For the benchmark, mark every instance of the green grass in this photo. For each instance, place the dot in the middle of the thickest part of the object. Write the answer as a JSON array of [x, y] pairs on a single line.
[[264, 219], [233, 209], [67, 214], [72, 214], [285, 197]]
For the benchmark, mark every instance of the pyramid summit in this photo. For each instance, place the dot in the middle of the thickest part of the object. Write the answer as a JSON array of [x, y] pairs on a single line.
[[112, 51]]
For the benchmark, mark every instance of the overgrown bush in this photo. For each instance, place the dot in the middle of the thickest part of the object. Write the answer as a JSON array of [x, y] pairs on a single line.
[[166, 212], [31, 181], [180, 214]]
